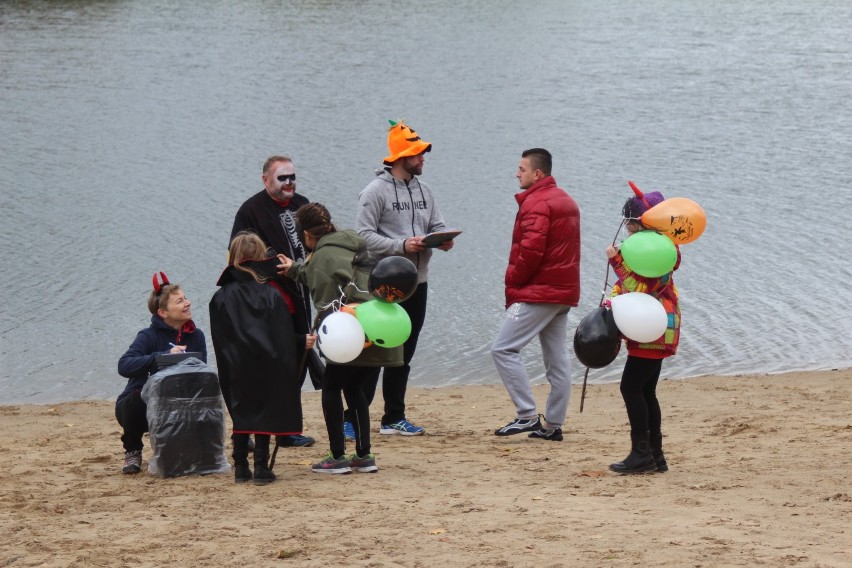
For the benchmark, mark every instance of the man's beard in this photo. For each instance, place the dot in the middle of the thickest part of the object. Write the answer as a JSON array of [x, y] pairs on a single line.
[[413, 170]]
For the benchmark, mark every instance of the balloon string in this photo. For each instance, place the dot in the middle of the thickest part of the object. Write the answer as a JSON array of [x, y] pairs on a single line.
[[353, 285], [606, 277], [337, 304], [600, 304], [332, 304]]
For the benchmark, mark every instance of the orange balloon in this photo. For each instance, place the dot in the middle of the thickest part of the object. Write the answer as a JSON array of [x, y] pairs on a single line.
[[680, 219], [349, 308]]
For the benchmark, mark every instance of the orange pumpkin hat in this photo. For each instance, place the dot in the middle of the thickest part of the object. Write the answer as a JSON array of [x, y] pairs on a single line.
[[403, 141]]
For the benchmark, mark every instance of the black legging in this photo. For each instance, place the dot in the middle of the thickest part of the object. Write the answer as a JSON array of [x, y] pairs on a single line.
[[639, 391], [395, 379], [353, 381], [131, 414]]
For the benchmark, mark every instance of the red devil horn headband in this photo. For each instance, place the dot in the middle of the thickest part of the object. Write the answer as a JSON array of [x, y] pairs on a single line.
[[636, 190], [164, 281]]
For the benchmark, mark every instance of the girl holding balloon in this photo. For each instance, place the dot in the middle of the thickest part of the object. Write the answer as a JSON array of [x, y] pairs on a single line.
[[645, 358], [334, 269]]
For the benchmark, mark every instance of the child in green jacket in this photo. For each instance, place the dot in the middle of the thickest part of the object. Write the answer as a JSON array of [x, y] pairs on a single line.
[[330, 271]]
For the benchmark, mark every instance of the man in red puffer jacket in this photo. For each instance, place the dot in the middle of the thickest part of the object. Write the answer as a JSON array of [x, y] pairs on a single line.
[[542, 284]]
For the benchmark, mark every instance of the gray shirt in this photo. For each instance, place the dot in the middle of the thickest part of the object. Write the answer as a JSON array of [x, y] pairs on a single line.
[[390, 211]]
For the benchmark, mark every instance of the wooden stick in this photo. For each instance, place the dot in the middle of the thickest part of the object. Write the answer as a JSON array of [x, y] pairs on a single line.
[[583, 396]]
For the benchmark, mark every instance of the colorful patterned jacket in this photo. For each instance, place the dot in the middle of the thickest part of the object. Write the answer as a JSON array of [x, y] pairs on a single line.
[[662, 288]]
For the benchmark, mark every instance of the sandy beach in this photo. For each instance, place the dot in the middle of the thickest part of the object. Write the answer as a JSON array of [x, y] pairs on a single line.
[[760, 476]]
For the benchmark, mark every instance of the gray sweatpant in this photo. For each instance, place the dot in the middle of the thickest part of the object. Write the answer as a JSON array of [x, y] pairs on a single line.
[[522, 323]]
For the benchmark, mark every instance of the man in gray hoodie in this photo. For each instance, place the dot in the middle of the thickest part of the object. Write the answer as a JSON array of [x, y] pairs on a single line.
[[396, 211]]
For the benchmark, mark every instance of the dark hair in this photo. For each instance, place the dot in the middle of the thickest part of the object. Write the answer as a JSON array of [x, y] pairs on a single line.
[[631, 210], [635, 206], [273, 159], [540, 159], [315, 219]]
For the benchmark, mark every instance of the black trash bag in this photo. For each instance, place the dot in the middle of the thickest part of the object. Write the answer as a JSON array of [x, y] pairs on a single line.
[[186, 420], [597, 339]]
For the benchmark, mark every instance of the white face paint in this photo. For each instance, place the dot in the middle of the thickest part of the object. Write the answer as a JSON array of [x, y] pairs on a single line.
[[281, 183]]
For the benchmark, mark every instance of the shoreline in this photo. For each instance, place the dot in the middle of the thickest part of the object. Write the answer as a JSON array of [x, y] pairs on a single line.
[[760, 475], [537, 381]]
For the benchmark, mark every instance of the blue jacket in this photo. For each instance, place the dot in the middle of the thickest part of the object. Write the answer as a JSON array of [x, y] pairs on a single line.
[[138, 363]]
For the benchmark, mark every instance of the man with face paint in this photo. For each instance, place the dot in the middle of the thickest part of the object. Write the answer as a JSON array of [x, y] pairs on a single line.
[[396, 211], [271, 214]]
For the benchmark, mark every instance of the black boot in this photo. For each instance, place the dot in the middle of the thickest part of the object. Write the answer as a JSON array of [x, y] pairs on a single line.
[[262, 473], [656, 441], [640, 459], [242, 472]]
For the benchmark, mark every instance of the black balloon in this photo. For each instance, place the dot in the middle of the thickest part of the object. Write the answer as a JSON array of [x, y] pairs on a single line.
[[597, 339], [393, 279]]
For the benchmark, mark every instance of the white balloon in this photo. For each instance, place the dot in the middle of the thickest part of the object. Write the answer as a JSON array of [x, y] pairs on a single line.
[[639, 316], [340, 337]]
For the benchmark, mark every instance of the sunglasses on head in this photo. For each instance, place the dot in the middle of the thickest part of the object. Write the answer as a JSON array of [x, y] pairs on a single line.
[[288, 179]]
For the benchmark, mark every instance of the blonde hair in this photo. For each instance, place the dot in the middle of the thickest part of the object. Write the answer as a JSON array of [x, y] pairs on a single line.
[[247, 246]]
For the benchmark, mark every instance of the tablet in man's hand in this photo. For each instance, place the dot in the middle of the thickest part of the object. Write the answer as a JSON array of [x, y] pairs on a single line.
[[434, 239]]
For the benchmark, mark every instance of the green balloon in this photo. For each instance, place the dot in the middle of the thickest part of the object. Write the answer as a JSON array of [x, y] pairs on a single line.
[[649, 254], [386, 325]]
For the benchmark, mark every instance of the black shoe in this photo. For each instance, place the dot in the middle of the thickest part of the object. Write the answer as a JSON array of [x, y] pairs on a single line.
[[640, 459], [660, 460], [263, 475], [296, 441], [634, 466], [553, 434], [519, 425], [242, 473], [656, 441]]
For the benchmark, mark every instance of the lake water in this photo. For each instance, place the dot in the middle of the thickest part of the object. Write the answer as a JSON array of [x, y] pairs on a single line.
[[130, 132]]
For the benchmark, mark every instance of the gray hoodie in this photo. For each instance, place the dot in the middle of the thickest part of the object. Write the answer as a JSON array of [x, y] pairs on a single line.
[[391, 211]]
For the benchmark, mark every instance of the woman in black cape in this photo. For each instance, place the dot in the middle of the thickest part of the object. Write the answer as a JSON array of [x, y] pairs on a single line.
[[257, 355]]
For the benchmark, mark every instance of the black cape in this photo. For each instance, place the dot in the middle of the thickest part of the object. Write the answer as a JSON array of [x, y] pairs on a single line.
[[257, 355]]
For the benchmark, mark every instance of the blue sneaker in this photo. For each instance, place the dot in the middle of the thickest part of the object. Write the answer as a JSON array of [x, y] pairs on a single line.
[[403, 427], [296, 441], [349, 431]]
